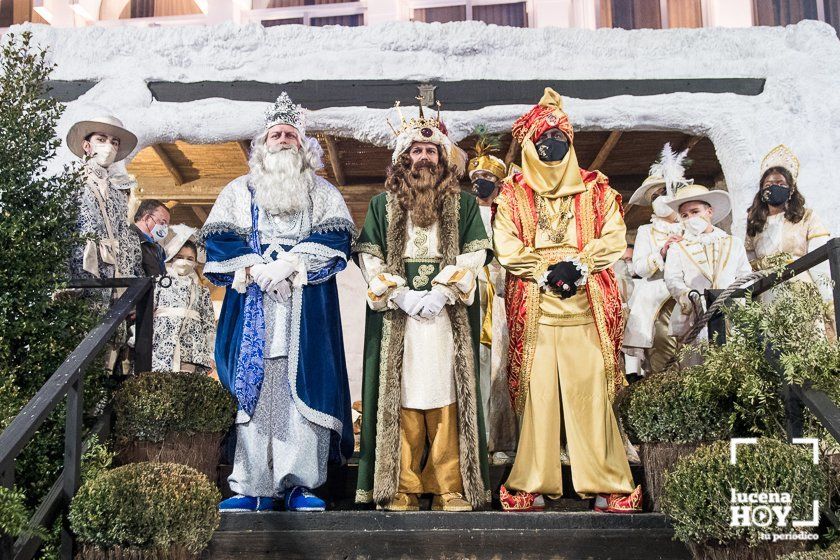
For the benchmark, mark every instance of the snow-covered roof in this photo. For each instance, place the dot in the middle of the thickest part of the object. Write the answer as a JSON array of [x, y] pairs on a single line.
[[800, 104]]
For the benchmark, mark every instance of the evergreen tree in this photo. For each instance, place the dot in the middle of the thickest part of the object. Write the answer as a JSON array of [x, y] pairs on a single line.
[[37, 234]]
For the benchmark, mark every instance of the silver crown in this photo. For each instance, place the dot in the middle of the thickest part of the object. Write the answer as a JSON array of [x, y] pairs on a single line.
[[284, 111]]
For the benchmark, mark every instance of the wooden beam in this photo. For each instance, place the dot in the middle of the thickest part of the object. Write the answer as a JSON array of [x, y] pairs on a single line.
[[605, 150], [245, 146], [199, 212], [335, 161], [513, 151], [168, 164], [689, 143], [200, 191]]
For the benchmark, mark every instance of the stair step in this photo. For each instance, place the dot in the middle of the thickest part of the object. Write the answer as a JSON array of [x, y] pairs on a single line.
[[361, 535]]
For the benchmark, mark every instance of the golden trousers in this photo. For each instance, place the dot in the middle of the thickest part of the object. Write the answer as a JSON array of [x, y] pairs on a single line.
[[442, 472], [664, 350], [568, 397]]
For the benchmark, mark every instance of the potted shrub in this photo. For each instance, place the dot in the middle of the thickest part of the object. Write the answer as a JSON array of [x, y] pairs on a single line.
[[172, 417], [668, 423], [160, 511], [698, 497]]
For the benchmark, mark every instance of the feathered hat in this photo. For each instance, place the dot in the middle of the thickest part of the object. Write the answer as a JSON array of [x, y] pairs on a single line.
[[284, 111], [484, 160], [668, 171], [426, 129], [781, 156]]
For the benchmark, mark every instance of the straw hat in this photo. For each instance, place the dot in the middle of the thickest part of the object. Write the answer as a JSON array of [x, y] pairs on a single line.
[[109, 125], [718, 200]]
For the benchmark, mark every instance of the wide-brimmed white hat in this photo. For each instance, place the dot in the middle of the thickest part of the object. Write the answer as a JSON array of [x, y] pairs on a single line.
[[110, 125], [642, 196], [179, 234], [718, 200]]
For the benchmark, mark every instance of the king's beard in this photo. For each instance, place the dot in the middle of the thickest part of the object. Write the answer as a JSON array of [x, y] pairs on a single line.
[[281, 180], [421, 189]]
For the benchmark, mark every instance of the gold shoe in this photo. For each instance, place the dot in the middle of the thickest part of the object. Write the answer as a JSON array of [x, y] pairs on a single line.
[[452, 501], [402, 502]]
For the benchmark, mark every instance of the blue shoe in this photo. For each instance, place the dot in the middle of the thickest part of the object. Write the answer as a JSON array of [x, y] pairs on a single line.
[[240, 503], [300, 498]]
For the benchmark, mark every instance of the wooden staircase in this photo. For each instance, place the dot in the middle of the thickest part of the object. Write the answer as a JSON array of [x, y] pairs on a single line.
[[567, 530]]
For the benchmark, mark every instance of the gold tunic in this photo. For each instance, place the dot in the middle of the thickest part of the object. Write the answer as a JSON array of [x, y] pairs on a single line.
[[532, 263]]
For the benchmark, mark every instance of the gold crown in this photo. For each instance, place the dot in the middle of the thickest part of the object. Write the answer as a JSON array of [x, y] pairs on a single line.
[[421, 122], [781, 156]]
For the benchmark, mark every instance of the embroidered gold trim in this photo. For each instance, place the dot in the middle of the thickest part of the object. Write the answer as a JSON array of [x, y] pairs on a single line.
[[423, 274], [364, 496], [476, 245], [580, 315], [421, 241], [370, 249], [433, 260]]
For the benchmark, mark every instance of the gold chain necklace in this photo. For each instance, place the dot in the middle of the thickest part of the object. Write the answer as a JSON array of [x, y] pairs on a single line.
[[546, 219]]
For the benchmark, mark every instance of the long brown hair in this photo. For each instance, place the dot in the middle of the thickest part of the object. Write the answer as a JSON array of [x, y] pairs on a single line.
[[759, 210], [421, 192]]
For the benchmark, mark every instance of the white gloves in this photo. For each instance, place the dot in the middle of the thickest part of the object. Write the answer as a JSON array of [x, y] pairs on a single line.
[[433, 303], [421, 304], [270, 276], [409, 301], [282, 293]]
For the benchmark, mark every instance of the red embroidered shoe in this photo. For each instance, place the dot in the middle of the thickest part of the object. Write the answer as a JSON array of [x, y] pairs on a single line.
[[520, 501], [620, 503]]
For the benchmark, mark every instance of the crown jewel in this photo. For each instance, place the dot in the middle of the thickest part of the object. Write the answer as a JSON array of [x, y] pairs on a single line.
[[284, 111], [781, 156]]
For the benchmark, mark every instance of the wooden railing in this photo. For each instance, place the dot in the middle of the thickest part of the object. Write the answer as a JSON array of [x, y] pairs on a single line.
[[68, 381]]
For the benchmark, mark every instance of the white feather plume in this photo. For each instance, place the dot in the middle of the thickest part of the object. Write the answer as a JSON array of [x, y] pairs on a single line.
[[671, 167]]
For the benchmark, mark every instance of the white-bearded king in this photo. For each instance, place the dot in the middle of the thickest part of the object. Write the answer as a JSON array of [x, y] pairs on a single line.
[[275, 239]]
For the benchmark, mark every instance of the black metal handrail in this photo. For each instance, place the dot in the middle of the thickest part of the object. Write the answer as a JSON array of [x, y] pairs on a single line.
[[68, 381], [796, 396]]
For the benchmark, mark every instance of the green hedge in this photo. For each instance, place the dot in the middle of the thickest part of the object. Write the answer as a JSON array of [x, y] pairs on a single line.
[[658, 410], [146, 506], [830, 553], [152, 405], [697, 494]]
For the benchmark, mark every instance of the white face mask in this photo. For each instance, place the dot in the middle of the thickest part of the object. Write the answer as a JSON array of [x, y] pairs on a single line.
[[104, 153], [696, 225], [183, 267], [661, 208], [159, 232]]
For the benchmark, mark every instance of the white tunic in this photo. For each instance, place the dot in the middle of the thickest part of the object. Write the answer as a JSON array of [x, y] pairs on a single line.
[[781, 236], [650, 293], [429, 352], [707, 261]]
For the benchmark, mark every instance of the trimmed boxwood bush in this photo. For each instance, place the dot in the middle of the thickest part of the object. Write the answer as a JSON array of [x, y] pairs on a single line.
[[698, 493], [658, 410], [153, 405], [148, 510], [669, 423]]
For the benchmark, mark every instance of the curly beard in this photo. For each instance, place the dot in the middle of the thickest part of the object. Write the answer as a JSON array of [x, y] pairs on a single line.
[[422, 188]]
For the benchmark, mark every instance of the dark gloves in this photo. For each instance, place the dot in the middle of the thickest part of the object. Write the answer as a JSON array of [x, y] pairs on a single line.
[[563, 273]]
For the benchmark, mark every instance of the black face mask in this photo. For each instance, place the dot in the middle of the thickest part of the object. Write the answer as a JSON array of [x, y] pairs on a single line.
[[484, 188], [775, 195], [552, 149]]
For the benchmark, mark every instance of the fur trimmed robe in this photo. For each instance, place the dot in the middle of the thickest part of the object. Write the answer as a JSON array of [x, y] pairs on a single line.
[[385, 236]]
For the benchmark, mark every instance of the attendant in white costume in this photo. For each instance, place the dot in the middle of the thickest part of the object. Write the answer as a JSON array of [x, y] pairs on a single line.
[[706, 258], [646, 336], [485, 172], [780, 228], [185, 324]]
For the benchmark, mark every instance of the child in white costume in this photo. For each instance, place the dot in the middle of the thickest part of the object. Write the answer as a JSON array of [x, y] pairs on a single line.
[[647, 333], [706, 258], [185, 323]]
